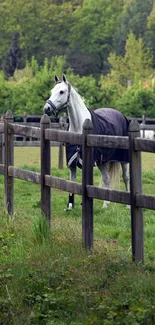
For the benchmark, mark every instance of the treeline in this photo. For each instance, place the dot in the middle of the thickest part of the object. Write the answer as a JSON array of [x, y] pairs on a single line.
[[103, 46], [86, 31], [29, 88]]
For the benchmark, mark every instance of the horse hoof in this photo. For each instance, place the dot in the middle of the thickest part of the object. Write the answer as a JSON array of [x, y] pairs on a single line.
[[69, 207], [105, 204]]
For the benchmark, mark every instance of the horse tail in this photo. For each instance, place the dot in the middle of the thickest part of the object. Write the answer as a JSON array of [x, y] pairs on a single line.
[[114, 170]]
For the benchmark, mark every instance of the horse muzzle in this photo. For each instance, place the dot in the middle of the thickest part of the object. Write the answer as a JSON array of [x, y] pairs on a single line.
[[49, 108]]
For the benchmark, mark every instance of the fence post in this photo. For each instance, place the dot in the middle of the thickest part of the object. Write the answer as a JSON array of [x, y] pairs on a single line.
[[61, 145], [8, 161], [1, 149], [45, 160], [87, 179], [2, 144], [136, 187], [143, 122], [25, 123]]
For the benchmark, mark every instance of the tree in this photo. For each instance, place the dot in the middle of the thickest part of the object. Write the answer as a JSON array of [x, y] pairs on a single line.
[[133, 19], [151, 18], [5, 94], [13, 58], [136, 61], [92, 31], [85, 31], [137, 102], [151, 32]]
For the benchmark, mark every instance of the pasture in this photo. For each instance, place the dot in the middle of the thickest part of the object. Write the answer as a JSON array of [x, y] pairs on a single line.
[[47, 278]]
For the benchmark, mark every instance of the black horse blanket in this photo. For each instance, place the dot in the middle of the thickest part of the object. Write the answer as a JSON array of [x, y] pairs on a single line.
[[105, 121]]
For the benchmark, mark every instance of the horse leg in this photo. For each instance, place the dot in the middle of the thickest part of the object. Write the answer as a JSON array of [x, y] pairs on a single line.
[[70, 204], [125, 175], [105, 179]]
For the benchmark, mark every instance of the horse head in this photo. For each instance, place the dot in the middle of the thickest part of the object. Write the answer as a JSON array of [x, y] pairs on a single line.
[[60, 95]]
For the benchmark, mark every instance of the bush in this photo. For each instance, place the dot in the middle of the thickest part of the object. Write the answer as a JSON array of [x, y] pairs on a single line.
[[29, 88], [5, 95], [30, 92], [110, 93], [136, 102]]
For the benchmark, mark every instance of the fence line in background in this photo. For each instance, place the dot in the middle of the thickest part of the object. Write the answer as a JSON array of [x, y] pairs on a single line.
[[45, 134]]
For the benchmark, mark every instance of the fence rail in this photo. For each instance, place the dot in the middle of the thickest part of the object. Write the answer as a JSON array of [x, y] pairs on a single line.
[[135, 198], [62, 123], [28, 135], [57, 123]]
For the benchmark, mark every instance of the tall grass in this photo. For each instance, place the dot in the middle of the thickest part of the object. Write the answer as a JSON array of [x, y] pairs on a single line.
[[46, 276]]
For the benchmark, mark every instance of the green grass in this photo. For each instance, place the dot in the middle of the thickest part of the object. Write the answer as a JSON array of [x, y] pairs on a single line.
[[31, 156], [47, 278]]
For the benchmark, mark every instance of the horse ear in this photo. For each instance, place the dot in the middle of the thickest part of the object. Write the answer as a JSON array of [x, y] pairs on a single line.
[[64, 78], [56, 78]]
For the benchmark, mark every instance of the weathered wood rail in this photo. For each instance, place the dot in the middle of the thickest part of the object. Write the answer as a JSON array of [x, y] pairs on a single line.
[[134, 198], [32, 137], [59, 123]]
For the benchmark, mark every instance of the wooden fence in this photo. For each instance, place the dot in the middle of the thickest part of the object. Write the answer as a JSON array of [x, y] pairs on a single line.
[[59, 123], [28, 141], [45, 133]]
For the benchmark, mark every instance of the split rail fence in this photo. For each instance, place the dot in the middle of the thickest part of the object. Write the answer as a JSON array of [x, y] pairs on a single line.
[[28, 141], [59, 123], [46, 134]]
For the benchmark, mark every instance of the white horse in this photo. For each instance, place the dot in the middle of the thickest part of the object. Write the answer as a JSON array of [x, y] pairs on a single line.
[[63, 95]]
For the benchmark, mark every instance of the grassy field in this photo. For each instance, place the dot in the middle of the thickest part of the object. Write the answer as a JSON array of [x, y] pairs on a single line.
[[46, 276], [31, 157]]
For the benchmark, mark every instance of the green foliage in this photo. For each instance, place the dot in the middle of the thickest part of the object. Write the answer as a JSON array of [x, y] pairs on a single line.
[[136, 102], [134, 18], [33, 65], [93, 28], [85, 31], [32, 87], [35, 22], [29, 88], [151, 19], [110, 92], [59, 283], [41, 230], [5, 94], [13, 58], [137, 60]]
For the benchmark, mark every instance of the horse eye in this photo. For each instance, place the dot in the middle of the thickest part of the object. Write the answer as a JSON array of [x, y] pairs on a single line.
[[61, 92]]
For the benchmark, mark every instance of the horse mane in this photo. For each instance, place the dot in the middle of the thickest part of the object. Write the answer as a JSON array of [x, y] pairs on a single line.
[[76, 89], [79, 94]]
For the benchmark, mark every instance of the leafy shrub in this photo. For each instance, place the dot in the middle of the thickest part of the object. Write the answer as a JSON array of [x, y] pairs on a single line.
[[137, 101], [110, 92], [5, 95], [28, 90]]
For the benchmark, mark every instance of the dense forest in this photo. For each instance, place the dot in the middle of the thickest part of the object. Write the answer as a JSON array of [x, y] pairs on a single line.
[[106, 48]]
